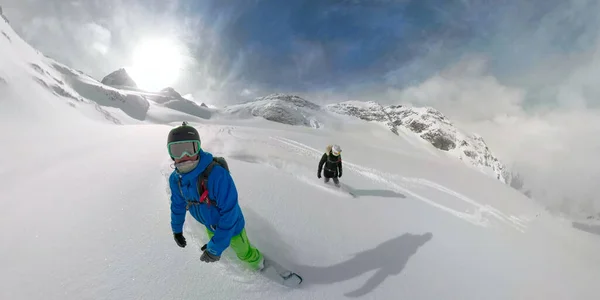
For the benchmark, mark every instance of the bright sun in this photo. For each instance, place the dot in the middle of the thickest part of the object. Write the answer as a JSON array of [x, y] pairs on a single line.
[[157, 63]]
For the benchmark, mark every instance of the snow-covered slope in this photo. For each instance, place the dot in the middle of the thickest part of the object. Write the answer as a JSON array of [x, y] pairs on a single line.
[[137, 105], [21, 65], [84, 209], [432, 126], [427, 123], [26, 75]]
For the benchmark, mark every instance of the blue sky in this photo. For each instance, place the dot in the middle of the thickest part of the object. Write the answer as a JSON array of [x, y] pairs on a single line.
[[349, 41], [312, 44]]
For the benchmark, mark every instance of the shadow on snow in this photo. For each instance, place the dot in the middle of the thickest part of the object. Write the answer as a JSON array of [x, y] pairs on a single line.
[[388, 258]]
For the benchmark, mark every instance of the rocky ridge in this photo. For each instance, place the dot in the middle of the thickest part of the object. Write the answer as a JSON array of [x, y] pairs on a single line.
[[432, 126]]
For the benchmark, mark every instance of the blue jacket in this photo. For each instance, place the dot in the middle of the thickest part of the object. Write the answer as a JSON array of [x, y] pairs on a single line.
[[225, 221]]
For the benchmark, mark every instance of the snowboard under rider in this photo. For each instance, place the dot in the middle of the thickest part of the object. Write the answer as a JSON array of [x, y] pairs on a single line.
[[214, 203], [332, 163]]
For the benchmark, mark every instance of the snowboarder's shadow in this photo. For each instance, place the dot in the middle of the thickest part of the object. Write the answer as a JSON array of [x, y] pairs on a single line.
[[373, 192], [388, 258], [377, 193]]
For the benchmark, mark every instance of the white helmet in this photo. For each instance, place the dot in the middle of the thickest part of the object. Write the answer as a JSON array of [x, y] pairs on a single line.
[[336, 150]]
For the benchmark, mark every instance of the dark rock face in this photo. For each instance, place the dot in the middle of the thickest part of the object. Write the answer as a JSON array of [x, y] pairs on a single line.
[[371, 113], [119, 78], [278, 114], [417, 126], [291, 99], [440, 139]]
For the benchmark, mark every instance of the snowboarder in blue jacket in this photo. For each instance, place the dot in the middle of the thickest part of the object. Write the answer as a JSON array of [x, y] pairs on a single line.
[[202, 185]]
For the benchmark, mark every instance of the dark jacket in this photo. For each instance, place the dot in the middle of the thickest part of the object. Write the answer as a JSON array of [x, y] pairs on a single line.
[[332, 164]]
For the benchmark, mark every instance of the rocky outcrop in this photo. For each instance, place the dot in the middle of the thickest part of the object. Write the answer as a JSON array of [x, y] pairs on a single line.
[[119, 77], [171, 92], [432, 126], [280, 108], [426, 122]]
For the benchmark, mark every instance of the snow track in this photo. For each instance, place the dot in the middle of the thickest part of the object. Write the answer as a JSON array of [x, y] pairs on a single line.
[[480, 213]]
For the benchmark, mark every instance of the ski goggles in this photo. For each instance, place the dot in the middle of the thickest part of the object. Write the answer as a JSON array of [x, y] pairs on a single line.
[[178, 149]]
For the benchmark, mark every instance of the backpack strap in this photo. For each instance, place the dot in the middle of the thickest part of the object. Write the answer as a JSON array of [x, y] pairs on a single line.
[[202, 190], [189, 203]]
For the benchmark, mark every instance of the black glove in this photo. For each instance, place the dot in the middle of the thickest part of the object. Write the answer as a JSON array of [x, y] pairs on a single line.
[[208, 257], [340, 176], [179, 239], [319, 175]]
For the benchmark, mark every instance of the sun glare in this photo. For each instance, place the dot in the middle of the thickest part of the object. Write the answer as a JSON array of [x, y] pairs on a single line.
[[157, 63]]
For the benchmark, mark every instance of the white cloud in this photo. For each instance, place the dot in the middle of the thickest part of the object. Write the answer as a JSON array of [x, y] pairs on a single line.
[[464, 91], [532, 94], [556, 149], [247, 92], [95, 37]]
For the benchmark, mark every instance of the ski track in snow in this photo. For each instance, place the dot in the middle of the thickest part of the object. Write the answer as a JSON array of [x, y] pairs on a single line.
[[291, 168], [478, 217]]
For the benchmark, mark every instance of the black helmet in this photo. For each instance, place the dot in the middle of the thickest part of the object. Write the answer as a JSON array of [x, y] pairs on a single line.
[[184, 132]]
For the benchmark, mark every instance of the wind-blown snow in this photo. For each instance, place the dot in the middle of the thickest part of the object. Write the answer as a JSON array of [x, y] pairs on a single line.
[[85, 207]]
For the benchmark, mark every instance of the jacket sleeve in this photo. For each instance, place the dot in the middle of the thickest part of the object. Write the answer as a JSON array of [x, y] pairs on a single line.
[[340, 165], [177, 206], [226, 196], [321, 163]]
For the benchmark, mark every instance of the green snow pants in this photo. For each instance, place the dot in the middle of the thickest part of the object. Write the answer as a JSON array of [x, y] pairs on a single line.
[[244, 250]]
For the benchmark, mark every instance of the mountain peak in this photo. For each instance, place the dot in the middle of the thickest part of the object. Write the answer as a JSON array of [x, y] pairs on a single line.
[[119, 77], [431, 125], [280, 108], [291, 99], [171, 92]]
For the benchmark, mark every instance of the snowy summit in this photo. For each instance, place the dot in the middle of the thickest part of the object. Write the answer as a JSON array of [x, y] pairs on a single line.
[[281, 108], [119, 77]]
